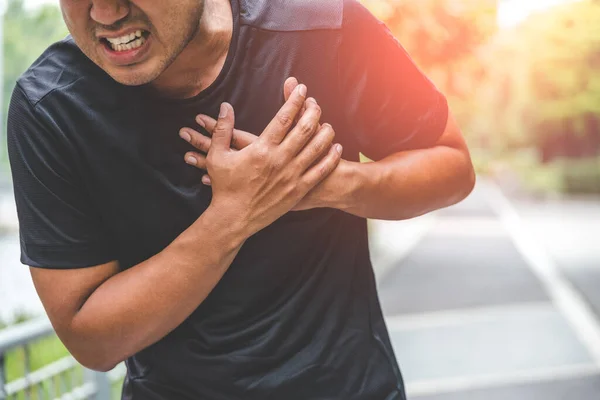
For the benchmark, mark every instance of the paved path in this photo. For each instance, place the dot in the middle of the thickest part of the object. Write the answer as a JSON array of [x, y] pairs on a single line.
[[479, 309]]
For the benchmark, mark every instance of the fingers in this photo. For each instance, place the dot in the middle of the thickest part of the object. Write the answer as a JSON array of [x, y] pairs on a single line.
[[288, 87], [195, 159], [304, 129], [196, 139], [223, 132], [241, 139], [319, 145], [281, 124], [199, 161], [324, 167]]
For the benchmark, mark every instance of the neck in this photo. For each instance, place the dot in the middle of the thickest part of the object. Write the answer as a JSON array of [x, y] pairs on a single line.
[[202, 60]]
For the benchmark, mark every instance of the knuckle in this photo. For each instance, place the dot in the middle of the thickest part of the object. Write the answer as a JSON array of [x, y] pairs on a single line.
[[261, 152], [326, 135], [322, 170], [318, 147], [328, 128], [197, 142], [306, 127], [318, 110], [276, 164], [284, 119], [297, 101]]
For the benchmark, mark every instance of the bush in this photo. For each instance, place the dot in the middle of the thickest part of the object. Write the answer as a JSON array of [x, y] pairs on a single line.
[[561, 176], [581, 176]]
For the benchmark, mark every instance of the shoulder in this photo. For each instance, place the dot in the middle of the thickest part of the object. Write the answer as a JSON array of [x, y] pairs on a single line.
[[292, 15], [59, 67], [356, 17]]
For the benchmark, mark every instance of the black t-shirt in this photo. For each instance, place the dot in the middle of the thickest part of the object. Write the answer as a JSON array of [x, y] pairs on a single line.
[[99, 176]]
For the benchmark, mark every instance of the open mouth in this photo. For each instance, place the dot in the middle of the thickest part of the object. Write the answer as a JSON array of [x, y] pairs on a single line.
[[127, 42]]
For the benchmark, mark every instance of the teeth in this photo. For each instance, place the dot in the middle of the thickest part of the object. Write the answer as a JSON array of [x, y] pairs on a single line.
[[127, 46], [126, 38]]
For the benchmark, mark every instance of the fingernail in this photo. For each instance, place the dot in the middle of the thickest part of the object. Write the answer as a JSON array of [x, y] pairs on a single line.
[[200, 122], [206, 180], [185, 136], [302, 90], [312, 100], [339, 148], [191, 160], [223, 112]]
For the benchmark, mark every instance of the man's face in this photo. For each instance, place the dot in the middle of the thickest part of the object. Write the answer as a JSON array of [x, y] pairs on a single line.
[[134, 41]]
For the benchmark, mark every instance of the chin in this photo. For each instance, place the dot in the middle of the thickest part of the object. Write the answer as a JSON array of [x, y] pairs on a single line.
[[132, 77], [131, 80]]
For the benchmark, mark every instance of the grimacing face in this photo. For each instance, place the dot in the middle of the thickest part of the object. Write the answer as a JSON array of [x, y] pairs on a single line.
[[134, 41]]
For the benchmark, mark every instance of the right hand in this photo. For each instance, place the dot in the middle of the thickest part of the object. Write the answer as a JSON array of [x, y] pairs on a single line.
[[266, 179]]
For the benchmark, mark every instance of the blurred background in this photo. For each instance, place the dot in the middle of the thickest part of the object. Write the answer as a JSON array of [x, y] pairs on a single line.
[[495, 298]]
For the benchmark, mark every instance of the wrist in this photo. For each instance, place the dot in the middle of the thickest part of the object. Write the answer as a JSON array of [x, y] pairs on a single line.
[[348, 180], [212, 238], [225, 227]]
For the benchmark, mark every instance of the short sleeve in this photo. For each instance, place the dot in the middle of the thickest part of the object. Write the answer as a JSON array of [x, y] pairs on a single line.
[[390, 104], [58, 224]]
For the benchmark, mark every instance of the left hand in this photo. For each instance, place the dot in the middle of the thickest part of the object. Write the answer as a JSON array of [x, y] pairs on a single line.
[[322, 195]]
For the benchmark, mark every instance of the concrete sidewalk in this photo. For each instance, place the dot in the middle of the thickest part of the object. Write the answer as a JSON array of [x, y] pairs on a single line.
[[478, 310]]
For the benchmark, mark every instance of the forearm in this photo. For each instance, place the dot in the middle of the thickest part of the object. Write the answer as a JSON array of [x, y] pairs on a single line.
[[139, 306], [406, 185]]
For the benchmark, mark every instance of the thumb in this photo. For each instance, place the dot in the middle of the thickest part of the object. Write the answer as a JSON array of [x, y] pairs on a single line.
[[223, 132]]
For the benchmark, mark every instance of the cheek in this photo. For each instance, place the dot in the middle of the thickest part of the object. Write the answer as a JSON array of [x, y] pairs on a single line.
[[76, 19], [175, 25]]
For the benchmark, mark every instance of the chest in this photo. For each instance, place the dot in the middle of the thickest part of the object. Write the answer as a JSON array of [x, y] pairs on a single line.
[[132, 158]]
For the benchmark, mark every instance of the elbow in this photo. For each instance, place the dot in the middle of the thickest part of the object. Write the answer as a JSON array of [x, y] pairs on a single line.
[[91, 348], [91, 354], [94, 362]]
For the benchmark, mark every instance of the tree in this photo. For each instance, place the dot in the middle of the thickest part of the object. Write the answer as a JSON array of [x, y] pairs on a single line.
[[444, 37], [26, 35], [543, 86]]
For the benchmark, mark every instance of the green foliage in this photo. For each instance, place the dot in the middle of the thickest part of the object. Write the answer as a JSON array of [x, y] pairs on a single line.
[[41, 353], [581, 176], [26, 35], [441, 35], [543, 83], [535, 86]]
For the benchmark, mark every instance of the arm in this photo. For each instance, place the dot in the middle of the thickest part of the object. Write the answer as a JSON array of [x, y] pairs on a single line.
[[402, 185], [104, 316], [395, 116], [399, 119]]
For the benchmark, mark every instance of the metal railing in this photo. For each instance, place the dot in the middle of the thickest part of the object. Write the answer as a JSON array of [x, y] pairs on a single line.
[[60, 379]]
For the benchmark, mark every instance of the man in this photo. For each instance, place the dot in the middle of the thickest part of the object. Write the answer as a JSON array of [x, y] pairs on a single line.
[[253, 281]]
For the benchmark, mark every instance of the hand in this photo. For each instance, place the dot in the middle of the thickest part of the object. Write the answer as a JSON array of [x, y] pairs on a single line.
[[267, 178], [320, 196], [239, 140]]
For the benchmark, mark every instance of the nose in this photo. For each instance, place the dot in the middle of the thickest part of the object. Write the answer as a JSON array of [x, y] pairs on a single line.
[[108, 12]]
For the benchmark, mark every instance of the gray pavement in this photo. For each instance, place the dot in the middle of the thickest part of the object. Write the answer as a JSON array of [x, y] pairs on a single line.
[[488, 305]]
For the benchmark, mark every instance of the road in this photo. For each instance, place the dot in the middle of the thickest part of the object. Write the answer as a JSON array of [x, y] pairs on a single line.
[[491, 304]]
